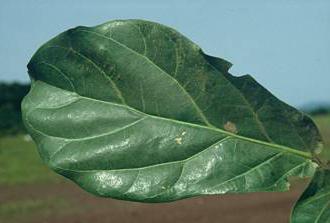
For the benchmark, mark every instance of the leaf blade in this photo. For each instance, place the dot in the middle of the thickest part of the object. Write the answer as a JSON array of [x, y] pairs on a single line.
[[66, 159], [106, 105]]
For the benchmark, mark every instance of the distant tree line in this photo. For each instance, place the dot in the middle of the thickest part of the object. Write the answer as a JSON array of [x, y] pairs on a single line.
[[321, 110], [11, 95]]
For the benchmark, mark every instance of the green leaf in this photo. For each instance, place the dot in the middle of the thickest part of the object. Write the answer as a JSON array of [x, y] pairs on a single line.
[[134, 110], [314, 204]]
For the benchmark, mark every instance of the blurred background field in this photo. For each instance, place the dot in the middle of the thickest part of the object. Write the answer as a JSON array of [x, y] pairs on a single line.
[[31, 193]]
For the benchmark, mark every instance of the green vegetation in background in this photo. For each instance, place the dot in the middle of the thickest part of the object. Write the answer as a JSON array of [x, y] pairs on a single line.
[[20, 163], [11, 95], [318, 111], [323, 123]]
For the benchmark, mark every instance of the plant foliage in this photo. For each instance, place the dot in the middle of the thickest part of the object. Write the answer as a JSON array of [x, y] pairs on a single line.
[[134, 110]]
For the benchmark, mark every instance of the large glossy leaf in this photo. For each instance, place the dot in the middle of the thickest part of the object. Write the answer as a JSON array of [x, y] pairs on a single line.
[[134, 110], [314, 204]]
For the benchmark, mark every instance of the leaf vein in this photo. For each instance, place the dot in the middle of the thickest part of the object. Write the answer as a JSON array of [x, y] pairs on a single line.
[[198, 109]]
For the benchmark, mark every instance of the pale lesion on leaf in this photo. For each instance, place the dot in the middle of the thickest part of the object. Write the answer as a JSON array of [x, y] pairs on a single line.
[[178, 140], [230, 127]]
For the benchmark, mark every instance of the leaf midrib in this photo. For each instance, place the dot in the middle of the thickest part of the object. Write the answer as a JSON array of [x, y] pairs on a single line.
[[196, 106], [281, 148], [209, 126]]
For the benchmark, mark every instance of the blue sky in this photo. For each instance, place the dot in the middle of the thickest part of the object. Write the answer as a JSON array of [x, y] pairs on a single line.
[[284, 44]]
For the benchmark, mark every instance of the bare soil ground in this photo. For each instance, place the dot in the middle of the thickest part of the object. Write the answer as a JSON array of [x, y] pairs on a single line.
[[81, 207]]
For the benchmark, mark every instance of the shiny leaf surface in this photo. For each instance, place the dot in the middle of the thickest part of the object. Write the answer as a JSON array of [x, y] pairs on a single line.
[[134, 110]]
